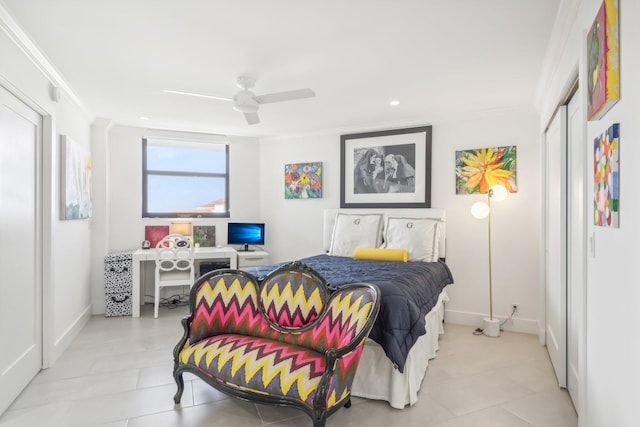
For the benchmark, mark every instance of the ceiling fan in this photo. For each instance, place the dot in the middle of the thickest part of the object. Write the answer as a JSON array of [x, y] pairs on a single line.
[[247, 102]]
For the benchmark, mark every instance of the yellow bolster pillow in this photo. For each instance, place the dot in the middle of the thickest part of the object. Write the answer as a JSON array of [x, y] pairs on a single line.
[[376, 254]]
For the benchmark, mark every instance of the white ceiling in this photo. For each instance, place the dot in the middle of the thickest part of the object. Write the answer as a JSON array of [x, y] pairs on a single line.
[[435, 57]]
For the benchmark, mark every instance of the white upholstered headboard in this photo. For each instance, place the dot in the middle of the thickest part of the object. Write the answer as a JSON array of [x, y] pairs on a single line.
[[330, 218]]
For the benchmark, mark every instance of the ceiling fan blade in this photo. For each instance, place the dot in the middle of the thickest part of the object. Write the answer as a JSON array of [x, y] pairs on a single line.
[[252, 118], [285, 96], [199, 95]]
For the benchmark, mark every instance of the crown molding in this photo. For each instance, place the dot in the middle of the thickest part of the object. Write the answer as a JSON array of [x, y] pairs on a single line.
[[565, 18], [11, 28]]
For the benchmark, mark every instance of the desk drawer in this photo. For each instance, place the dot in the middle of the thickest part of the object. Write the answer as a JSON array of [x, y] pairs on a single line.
[[118, 276], [117, 305], [253, 261]]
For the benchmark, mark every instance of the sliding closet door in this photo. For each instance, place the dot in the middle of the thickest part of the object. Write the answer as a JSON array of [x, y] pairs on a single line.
[[576, 250], [20, 256], [556, 241]]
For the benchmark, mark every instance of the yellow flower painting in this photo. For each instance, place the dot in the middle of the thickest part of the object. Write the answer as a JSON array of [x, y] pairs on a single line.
[[479, 169]]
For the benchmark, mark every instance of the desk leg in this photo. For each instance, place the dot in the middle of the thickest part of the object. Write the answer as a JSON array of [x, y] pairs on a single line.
[[135, 289], [233, 261]]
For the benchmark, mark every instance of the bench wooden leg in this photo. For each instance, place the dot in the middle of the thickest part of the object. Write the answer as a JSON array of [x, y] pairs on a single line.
[[320, 422], [180, 384]]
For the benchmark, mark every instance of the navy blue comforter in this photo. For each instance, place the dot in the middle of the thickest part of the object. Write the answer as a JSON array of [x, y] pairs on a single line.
[[409, 291]]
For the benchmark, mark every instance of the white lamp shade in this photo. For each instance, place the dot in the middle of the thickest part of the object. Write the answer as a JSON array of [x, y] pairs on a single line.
[[480, 210], [499, 193], [184, 228]]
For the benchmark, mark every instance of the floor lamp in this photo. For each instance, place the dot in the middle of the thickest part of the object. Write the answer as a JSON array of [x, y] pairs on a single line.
[[481, 210]]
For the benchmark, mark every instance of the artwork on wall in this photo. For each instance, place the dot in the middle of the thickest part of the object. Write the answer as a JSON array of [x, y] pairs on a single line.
[[479, 169], [75, 184], [204, 235], [303, 180], [155, 233], [386, 169], [603, 61], [606, 178]]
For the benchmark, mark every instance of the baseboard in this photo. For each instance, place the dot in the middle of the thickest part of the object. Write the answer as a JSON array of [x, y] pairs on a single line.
[[542, 337], [527, 326], [67, 337]]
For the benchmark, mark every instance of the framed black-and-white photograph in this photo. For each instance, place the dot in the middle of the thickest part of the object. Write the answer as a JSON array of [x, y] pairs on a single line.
[[386, 169]]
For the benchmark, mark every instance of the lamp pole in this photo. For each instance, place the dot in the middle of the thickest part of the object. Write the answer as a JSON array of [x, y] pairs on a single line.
[[482, 210], [489, 195]]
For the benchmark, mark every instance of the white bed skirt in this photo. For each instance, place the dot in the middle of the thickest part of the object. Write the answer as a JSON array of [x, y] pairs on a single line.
[[376, 377]]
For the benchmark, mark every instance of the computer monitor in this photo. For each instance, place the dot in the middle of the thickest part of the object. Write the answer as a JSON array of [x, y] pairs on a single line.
[[245, 234]]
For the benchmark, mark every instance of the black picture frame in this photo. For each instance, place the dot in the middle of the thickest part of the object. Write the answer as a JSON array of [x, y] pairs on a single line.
[[405, 179]]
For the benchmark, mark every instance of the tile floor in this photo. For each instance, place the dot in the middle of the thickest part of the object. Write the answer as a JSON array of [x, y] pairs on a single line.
[[118, 373]]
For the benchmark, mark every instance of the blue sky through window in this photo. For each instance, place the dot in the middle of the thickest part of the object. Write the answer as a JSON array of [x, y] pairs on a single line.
[[184, 193]]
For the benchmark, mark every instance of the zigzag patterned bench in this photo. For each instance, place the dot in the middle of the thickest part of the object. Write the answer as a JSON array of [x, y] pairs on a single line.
[[284, 340]]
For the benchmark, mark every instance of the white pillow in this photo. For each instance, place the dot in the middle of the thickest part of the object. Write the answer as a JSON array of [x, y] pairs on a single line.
[[419, 236], [352, 231]]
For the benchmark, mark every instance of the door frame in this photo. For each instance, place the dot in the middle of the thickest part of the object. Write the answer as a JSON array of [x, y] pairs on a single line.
[[561, 340], [577, 164], [26, 365], [46, 215]]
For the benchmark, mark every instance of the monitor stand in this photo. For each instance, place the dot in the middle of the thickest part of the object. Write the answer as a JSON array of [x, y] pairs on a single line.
[[245, 248]]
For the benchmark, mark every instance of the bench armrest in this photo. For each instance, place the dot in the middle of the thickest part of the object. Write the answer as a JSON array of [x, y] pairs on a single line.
[[347, 320]]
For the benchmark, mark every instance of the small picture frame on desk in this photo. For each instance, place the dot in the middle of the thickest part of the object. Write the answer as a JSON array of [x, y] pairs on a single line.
[[155, 233], [204, 235]]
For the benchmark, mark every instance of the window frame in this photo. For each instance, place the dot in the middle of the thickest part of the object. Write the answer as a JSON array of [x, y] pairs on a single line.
[[146, 173]]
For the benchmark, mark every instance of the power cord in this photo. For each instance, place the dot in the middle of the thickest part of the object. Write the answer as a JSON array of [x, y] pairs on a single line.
[[510, 318], [480, 331], [173, 301]]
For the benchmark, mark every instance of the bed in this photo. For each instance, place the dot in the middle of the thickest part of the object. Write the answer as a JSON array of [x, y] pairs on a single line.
[[399, 347]]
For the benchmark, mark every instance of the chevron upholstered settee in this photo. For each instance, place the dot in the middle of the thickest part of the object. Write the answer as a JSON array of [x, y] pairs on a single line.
[[286, 339]]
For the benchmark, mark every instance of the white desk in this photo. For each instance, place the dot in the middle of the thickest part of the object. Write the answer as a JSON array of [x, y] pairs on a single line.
[[199, 254]]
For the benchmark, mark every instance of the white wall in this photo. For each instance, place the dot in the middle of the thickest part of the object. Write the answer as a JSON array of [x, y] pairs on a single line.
[[71, 254], [66, 244], [613, 344], [294, 227], [611, 381], [122, 223]]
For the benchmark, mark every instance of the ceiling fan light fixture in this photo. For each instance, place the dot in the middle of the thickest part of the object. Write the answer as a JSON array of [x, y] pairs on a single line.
[[245, 108], [244, 102]]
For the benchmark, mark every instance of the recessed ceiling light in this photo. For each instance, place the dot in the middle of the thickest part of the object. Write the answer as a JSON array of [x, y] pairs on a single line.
[[394, 103], [144, 118]]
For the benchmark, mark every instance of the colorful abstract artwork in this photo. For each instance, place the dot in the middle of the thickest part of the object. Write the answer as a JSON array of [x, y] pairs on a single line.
[[76, 180], [603, 61], [606, 178], [479, 169], [155, 233], [204, 235], [303, 181]]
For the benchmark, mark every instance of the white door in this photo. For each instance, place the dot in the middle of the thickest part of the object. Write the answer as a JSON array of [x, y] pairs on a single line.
[[576, 255], [20, 254], [555, 247]]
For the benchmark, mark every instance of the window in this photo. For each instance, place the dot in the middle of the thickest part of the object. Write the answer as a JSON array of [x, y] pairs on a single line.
[[184, 179]]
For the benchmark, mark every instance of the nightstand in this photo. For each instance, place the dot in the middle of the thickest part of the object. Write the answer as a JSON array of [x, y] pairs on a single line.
[[252, 259]]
